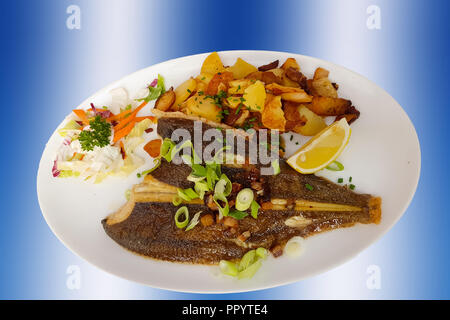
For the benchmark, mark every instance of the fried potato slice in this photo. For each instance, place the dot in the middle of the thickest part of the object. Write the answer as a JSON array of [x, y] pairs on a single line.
[[298, 97], [241, 69], [238, 86], [204, 107], [313, 123], [221, 78], [323, 87], [265, 76], [183, 91], [255, 96], [325, 106], [320, 73], [290, 63], [289, 93], [212, 64], [273, 115], [165, 100]]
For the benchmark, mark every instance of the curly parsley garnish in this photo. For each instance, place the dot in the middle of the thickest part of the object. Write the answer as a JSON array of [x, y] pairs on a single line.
[[99, 135]]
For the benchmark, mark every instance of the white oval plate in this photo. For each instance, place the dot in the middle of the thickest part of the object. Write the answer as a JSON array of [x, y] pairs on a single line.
[[383, 157]]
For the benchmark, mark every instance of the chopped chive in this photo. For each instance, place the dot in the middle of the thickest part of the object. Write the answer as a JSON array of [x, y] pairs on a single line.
[[238, 109], [309, 187], [340, 180], [350, 179], [292, 137], [352, 187]]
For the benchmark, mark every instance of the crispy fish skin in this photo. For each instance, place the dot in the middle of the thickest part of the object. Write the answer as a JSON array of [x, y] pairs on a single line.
[[288, 184], [150, 230]]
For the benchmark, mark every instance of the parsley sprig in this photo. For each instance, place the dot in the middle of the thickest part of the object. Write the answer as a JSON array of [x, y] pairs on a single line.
[[98, 135]]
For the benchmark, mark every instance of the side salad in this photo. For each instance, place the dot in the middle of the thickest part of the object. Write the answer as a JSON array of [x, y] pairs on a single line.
[[101, 141]]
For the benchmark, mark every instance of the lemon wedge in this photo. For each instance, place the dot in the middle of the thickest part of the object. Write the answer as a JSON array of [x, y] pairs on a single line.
[[322, 149]]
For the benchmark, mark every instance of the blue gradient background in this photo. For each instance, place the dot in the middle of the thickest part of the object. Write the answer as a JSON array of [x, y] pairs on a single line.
[[47, 69]]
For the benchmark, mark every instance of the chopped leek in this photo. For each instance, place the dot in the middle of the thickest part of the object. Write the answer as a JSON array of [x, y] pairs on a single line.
[[276, 167], [187, 194], [254, 209], [176, 201], [182, 211], [244, 199], [250, 271], [335, 166], [228, 267], [194, 221], [247, 260], [261, 253]]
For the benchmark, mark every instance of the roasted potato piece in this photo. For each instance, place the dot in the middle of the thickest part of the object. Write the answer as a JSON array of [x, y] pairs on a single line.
[[324, 106], [204, 107], [165, 100], [298, 97], [255, 96], [218, 79], [285, 81], [238, 86], [314, 123], [269, 77], [205, 77], [323, 87], [293, 119], [273, 115], [269, 66], [278, 72], [320, 73], [201, 86], [233, 101], [278, 89], [241, 69], [183, 91], [290, 63], [212, 64], [153, 148]]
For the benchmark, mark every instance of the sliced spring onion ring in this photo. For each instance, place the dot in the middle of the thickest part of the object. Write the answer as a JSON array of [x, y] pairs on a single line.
[[194, 178], [261, 253], [228, 267], [187, 194], [294, 247], [276, 167], [247, 260], [250, 270], [223, 186], [176, 201], [166, 148], [201, 187], [254, 207], [244, 199], [194, 221], [223, 211], [335, 166], [182, 211]]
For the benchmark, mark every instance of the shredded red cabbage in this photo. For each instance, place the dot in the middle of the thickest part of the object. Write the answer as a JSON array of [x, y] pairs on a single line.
[[55, 170], [104, 114], [154, 83]]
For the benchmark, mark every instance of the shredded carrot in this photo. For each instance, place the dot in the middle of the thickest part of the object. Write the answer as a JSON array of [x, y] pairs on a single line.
[[138, 119], [119, 115], [82, 115], [130, 118], [119, 134]]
